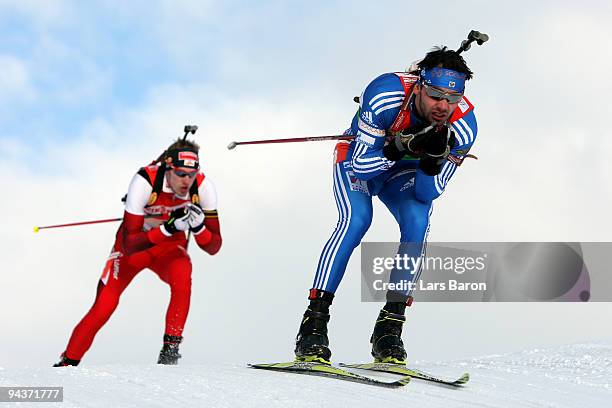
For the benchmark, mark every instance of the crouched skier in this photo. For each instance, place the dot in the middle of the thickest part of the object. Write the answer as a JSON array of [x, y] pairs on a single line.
[[412, 131], [164, 201]]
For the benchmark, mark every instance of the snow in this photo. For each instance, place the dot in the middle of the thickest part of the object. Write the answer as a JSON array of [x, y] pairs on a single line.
[[578, 375]]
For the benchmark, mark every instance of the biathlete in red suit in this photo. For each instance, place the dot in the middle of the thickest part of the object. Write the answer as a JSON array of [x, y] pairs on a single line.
[[164, 202]]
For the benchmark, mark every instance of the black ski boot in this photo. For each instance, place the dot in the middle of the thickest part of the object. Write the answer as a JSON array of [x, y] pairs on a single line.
[[387, 344], [169, 354], [65, 361], [312, 343]]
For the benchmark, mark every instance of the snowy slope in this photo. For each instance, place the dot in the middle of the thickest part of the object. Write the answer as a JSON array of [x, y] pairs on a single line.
[[569, 376]]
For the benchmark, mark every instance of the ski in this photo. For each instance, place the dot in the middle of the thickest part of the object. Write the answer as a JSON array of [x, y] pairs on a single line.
[[330, 371], [411, 372]]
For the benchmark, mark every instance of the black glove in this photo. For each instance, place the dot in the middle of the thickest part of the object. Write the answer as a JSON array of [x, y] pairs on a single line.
[[431, 166], [431, 145], [396, 149], [436, 149], [432, 142], [178, 221]]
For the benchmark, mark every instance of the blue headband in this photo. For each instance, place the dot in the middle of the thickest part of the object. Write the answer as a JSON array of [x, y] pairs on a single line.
[[443, 78]]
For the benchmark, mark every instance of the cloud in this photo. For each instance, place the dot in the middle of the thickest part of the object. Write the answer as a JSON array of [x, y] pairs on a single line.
[[15, 82], [40, 12]]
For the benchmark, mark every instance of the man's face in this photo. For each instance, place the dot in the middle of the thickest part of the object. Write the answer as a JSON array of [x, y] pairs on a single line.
[[180, 179], [435, 108]]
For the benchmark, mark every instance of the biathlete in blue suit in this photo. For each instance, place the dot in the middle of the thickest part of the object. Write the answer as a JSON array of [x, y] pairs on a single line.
[[412, 131]]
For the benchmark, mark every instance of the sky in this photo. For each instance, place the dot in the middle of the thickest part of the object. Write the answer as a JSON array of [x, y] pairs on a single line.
[[90, 92]]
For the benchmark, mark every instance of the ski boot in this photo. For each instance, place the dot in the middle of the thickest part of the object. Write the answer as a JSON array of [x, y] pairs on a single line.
[[169, 354], [311, 343], [65, 361], [387, 344]]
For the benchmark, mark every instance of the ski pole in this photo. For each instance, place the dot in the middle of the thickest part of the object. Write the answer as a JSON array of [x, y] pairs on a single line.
[[233, 145], [74, 224]]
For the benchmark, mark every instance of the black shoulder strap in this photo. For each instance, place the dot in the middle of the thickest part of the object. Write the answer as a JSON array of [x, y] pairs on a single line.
[[158, 183], [142, 173], [194, 192]]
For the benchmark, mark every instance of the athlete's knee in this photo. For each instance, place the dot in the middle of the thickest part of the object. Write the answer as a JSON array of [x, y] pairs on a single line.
[[181, 284], [183, 263], [359, 222], [414, 220], [179, 266], [104, 306], [180, 278]]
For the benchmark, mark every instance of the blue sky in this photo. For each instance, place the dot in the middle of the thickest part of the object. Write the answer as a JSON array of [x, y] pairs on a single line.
[[73, 61]]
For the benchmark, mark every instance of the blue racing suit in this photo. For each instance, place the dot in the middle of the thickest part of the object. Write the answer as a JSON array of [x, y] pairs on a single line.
[[361, 171]]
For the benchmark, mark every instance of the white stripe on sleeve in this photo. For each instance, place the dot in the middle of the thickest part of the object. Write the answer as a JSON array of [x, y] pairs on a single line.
[[384, 94], [384, 108]]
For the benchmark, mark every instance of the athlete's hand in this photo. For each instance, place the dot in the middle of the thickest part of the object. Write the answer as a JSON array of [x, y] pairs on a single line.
[[178, 221], [434, 141], [196, 218], [436, 149]]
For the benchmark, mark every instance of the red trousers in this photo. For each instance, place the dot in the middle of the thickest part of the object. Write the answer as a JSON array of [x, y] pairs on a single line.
[[169, 261]]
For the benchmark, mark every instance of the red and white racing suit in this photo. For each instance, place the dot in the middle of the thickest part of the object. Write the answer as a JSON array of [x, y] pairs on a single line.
[[140, 244]]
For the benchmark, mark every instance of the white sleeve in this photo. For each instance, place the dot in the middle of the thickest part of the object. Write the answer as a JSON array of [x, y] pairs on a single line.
[[138, 195], [208, 195]]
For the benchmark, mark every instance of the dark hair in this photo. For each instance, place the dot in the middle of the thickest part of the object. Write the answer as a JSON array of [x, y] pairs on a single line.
[[177, 145], [183, 144], [445, 58]]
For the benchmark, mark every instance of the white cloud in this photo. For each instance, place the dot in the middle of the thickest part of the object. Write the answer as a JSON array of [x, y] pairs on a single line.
[[15, 81], [42, 12]]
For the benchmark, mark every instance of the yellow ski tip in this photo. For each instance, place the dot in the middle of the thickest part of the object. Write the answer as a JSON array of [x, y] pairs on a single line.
[[36, 229]]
